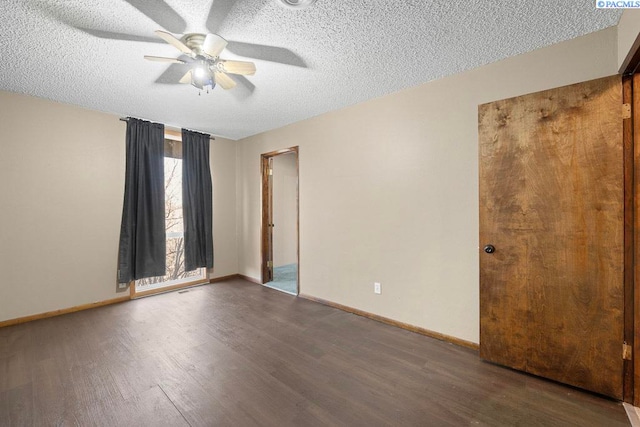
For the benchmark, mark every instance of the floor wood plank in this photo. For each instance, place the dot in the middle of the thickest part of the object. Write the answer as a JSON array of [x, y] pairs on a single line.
[[236, 353]]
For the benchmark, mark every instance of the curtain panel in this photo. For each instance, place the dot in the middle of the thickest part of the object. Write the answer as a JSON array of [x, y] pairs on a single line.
[[197, 201], [142, 250]]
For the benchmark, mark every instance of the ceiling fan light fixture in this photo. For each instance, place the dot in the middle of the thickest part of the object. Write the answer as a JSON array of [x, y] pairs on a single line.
[[296, 4], [199, 71], [204, 82]]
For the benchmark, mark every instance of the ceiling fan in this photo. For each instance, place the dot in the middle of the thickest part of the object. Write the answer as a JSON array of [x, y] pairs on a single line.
[[206, 67]]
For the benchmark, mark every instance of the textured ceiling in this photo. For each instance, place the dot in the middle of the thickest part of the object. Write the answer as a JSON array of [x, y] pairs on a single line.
[[333, 54]]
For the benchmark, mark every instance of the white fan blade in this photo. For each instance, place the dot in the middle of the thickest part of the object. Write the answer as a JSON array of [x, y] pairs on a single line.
[[224, 81], [238, 67], [186, 78], [163, 59], [170, 38], [213, 45]]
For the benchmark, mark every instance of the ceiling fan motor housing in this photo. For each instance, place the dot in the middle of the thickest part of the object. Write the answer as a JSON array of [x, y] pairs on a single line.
[[194, 42]]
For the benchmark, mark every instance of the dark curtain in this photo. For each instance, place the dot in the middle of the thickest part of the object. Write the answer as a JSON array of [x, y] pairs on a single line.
[[196, 201], [142, 251]]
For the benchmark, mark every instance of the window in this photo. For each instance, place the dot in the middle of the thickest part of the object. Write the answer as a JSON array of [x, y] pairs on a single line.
[[175, 276]]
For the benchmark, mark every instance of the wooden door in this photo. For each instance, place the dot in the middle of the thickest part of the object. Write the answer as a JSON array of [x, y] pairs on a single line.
[[551, 203]]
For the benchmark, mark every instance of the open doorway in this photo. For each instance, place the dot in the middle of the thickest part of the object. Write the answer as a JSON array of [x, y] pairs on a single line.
[[280, 259]]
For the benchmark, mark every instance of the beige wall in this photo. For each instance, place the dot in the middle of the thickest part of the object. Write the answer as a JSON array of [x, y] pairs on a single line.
[[225, 238], [62, 174], [389, 188], [628, 29], [285, 183]]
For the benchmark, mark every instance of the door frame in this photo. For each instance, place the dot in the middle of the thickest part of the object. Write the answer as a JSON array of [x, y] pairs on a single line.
[[631, 136], [629, 384], [266, 231]]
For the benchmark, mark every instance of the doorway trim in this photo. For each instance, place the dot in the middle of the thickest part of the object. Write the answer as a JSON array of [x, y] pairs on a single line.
[[632, 240], [266, 231], [631, 135]]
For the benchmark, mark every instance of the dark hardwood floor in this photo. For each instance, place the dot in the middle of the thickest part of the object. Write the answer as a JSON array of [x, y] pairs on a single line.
[[235, 353]]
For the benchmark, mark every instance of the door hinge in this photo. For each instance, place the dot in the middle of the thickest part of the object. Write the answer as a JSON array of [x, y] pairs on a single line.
[[626, 111], [269, 264], [626, 351], [271, 170]]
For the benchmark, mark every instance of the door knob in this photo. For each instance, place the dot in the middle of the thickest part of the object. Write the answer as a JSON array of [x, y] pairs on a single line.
[[489, 249]]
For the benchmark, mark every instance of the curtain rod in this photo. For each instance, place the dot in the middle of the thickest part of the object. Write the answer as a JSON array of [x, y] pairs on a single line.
[[126, 119]]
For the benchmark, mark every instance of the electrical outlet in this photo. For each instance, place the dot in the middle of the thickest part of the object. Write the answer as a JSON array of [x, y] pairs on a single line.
[[376, 288], [122, 286]]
